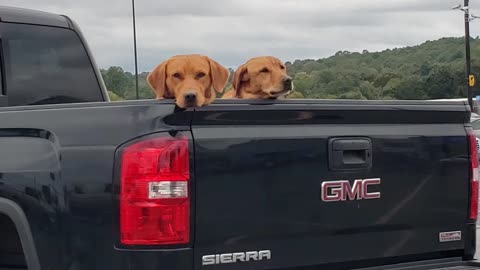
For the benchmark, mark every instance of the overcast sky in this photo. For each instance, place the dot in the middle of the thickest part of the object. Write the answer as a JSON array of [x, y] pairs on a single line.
[[231, 31]]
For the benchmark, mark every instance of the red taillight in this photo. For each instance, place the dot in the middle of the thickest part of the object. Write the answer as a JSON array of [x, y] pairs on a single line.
[[154, 193], [474, 179]]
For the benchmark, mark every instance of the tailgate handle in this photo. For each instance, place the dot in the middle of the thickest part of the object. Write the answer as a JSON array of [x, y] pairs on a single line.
[[350, 154]]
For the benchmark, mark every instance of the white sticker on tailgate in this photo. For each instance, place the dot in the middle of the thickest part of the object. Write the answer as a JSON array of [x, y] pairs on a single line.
[[450, 236]]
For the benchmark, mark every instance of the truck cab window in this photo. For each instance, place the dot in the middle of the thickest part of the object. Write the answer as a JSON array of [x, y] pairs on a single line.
[[46, 65]]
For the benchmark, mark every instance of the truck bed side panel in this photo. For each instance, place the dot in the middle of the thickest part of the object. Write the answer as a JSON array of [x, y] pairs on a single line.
[[57, 164]]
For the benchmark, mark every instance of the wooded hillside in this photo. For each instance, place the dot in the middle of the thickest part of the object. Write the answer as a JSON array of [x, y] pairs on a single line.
[[434, 69]]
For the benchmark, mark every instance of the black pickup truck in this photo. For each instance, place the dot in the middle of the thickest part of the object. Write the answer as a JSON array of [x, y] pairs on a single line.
[[294, 184]]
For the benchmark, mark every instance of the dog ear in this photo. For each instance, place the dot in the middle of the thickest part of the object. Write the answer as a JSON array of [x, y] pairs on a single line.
[[157, 79], [240, 76], [219, 75]]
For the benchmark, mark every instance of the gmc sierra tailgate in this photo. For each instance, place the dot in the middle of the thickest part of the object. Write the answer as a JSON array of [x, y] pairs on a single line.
[[300, 183]]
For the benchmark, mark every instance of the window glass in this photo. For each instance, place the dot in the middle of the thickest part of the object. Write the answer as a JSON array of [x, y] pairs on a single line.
[[46, 65]]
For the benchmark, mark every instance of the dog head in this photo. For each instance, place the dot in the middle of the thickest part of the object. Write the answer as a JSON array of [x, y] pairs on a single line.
[[191, 79], [262, 78]]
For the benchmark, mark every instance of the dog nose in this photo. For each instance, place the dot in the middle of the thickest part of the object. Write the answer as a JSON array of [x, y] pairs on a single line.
[[287, 80], [190, 97], [287, 83]]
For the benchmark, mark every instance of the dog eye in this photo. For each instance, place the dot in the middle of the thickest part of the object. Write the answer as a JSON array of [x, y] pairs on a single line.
[[200, 75], [264, 70], [177, 75], [282, 67]]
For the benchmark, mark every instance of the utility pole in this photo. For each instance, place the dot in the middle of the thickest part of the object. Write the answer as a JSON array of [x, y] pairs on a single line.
[[135, 49], [470, 76]]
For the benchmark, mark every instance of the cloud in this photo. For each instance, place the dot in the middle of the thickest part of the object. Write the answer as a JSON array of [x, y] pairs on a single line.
[[231, 31]]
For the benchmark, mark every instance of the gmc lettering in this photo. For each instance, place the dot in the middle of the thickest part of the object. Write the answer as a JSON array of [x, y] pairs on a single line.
[[334, 191]]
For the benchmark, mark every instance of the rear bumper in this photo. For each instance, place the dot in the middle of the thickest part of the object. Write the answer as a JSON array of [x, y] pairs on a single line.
[[431, 265]]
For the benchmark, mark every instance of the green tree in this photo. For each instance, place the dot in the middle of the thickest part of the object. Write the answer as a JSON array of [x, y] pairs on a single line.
[[296, 94], [118, 81], [114, 97]]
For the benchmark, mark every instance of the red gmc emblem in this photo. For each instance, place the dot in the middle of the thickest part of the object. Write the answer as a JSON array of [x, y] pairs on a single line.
[[335, 191]]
